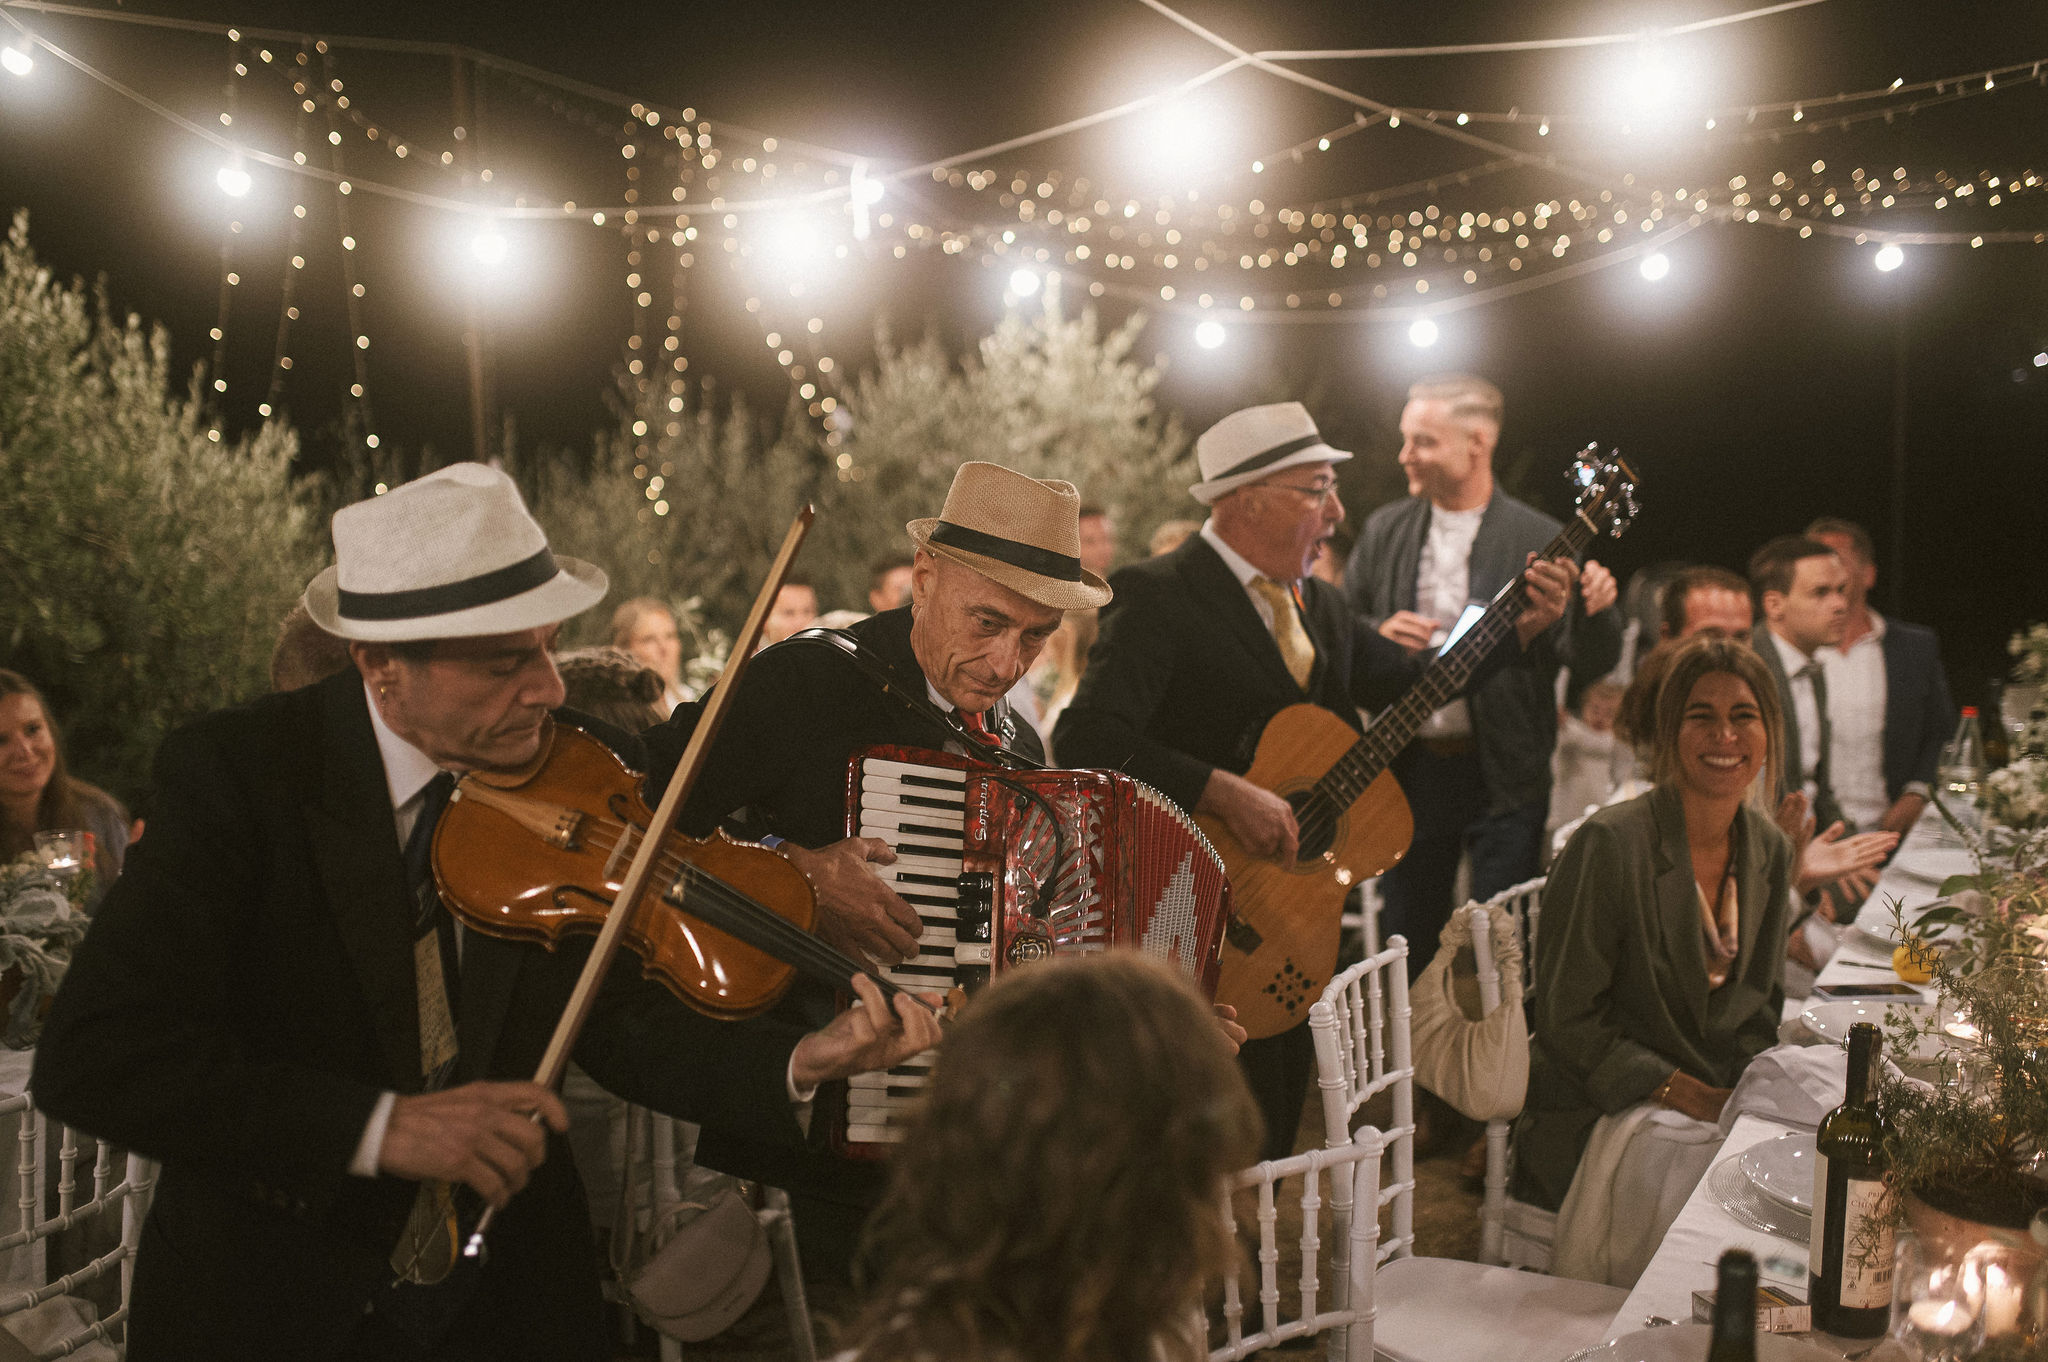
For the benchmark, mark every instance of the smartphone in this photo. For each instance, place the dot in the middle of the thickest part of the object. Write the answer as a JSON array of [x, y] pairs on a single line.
[[1865, 991]]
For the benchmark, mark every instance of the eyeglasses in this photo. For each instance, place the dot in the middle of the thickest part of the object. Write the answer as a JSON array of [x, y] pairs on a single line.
[[1319, 493]]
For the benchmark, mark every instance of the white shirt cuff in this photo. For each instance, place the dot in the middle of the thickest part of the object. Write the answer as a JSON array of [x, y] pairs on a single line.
[[799, 1098], [1917, 787], [370, 1149]]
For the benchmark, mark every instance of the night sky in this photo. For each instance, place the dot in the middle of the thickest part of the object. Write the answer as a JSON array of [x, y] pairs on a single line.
[[1754, 388]]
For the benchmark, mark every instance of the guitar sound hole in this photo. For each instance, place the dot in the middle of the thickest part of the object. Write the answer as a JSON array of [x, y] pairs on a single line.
[[1318, 827]]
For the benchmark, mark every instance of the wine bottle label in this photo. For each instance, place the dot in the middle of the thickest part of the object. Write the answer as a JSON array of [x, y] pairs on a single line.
[[1866, 1247]]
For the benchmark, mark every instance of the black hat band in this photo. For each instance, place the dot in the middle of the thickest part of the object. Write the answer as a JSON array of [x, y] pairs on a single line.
[[467, 594], [1030, 557], [1269, 456]]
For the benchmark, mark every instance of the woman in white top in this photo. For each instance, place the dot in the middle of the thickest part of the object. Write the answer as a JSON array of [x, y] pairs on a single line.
[[1056, 1200]]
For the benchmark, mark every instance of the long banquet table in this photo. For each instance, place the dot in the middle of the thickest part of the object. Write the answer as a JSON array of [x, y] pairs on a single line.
[[1684, 1262]]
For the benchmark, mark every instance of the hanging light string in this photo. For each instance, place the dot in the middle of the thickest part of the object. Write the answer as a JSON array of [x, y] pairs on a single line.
[[228, 277], [357, 421], [295, 260]]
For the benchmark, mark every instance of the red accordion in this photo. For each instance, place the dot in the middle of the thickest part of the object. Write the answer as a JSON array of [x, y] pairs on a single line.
[[1009, 866]]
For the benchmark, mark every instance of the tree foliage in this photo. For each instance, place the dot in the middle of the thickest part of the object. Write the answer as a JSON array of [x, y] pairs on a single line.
[[144, 565]]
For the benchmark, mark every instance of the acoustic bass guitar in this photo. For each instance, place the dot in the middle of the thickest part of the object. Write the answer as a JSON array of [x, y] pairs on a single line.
[[1281, 950]]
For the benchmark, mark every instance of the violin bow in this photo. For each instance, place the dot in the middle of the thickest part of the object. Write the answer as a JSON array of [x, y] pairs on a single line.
[[633, 887]]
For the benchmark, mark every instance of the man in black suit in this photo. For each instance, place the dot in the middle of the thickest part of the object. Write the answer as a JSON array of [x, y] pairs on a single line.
[[992, 576], [275, 1003], [1889, 710], [1478, 774], [1801, 591], [1203, 645]]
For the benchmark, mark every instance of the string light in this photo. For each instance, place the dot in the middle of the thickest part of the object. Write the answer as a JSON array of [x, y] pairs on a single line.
[[1889, 257], [1210, 335], [1655, 266], [1422, 333], [17, 61], [236, 70]]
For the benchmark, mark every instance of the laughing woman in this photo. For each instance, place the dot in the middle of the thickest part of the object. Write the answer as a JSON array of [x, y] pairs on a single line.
[[38, 795], [1658, 967]]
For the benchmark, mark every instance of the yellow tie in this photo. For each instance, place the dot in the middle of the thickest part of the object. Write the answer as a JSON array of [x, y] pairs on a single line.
[[1295, 649]]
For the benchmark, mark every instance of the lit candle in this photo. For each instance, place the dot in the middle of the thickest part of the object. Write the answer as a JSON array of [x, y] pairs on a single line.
[[2002, 1297], [1943, 1319]]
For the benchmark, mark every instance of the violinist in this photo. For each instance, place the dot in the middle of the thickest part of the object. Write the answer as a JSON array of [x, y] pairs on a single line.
[[275, 1003]]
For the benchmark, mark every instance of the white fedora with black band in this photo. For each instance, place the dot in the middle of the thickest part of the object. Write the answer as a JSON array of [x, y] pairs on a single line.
[[1019, 532], [454, 554], [1247, 445]]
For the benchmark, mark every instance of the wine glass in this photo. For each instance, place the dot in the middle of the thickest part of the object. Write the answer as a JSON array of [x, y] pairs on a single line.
[[1937, 1301], [63, 851]]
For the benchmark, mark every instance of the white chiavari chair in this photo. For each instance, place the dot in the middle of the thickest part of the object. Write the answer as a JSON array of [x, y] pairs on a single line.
[[95, 1186], [1424, 1309]]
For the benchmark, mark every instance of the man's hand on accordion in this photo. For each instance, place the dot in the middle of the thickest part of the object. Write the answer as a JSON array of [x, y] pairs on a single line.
[[857, 912], [868, 1036]]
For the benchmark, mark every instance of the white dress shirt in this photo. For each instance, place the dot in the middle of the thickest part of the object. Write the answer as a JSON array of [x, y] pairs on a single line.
[[1857, 692], [1242, 569], [1805, 709], [1443, 588]]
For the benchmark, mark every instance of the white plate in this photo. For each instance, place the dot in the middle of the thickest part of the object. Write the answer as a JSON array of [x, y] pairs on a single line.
[[1688, 1343], [1831, 1021], [1782, 1169], [1876, 927], [1935, 864]]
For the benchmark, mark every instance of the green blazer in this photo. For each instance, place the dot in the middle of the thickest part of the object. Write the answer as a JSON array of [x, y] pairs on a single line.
[[1621, 996]]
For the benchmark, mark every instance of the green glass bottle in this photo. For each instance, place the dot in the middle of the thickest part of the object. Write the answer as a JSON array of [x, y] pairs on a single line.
[[1734, 1329], [1849, 1261]]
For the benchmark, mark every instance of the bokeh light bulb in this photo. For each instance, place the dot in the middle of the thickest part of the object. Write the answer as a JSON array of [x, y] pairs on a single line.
[[1209, 335], [234, 181], [16, 60], [489, 247], [1023, 283], [1889, 257], [868, 192], [1423, 333], [1655, 266]]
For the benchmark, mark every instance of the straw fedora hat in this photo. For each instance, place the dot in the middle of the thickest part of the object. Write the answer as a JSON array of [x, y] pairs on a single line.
[[451, 555], [1022, 533], [1247, 445]]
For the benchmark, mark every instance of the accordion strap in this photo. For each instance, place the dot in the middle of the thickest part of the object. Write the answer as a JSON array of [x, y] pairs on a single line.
[[890, 681]]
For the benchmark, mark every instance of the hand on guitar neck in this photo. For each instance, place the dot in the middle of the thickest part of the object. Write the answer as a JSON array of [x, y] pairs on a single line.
[[1260, 820], [1549, 591]]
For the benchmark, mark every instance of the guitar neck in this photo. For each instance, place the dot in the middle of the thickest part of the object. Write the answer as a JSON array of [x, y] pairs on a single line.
[[1388, 734]]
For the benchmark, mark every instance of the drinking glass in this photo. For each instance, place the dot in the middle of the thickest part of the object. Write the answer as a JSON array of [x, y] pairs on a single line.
[[1937, 1301], [63, 851]]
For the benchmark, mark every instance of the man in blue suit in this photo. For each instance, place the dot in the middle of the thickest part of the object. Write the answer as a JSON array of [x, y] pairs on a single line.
[[1888, 697]]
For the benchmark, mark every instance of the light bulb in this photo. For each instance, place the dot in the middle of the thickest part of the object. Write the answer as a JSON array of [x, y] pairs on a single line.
[[234, 182], [868, 192], [1023, 283], [1423, 333], [1210, 335], [16, 60], [1655, 266], [489, 247], [1888, 258]]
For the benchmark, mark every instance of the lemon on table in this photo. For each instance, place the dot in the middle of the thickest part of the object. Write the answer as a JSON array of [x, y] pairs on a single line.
[[1914, 961]]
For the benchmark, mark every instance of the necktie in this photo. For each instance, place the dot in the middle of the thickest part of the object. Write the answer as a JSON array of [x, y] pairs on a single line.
[[431, 919], [1295, 649], [1825, 808]]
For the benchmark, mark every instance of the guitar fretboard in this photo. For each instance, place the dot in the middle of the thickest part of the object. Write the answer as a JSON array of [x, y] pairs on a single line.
[[1388, 734]]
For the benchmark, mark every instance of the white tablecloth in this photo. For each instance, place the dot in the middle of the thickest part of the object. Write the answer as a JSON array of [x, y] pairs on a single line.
[[1861, 958]]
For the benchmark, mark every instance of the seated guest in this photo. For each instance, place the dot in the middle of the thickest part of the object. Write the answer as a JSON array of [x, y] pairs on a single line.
[[38, 795], [1057, 1198], [304, 652], [889, 583], [611, 685], [646, 628], [1657, 972], [796, 607]]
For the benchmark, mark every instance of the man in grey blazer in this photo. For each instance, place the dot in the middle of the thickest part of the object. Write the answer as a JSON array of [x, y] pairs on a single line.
[[1478, 775]]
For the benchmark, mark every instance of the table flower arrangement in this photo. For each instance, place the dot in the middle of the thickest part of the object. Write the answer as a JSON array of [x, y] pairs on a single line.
[[42, 918]]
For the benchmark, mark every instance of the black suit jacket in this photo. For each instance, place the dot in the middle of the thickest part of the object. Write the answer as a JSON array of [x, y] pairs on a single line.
[[779, 767], [245, 994], [1185, 675], [1919, 715], [1514, 707]]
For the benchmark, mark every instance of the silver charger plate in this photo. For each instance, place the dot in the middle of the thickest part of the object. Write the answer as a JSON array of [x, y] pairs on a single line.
[[1738, 1196], [1782, 1169]]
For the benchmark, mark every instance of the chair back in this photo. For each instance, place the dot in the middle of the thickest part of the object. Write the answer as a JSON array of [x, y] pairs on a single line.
[[61, 1235], [1355, 1169], [1511, 1233]]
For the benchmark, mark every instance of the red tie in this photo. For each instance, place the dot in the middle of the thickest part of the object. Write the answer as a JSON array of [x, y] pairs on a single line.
[[976, 723]]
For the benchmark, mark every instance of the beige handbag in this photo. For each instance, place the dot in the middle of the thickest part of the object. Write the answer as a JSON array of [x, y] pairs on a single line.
[[1478, 1063], [709, 1264]]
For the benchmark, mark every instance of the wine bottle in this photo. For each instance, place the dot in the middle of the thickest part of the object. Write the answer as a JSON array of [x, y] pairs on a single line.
[[1734, 1329], [1849, 1261], [1997, 750]]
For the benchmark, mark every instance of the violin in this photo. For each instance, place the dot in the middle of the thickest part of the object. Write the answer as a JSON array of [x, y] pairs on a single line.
[[540, 852]]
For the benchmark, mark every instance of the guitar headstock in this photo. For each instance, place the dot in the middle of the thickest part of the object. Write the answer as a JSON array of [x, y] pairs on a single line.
[[1604, 488]]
